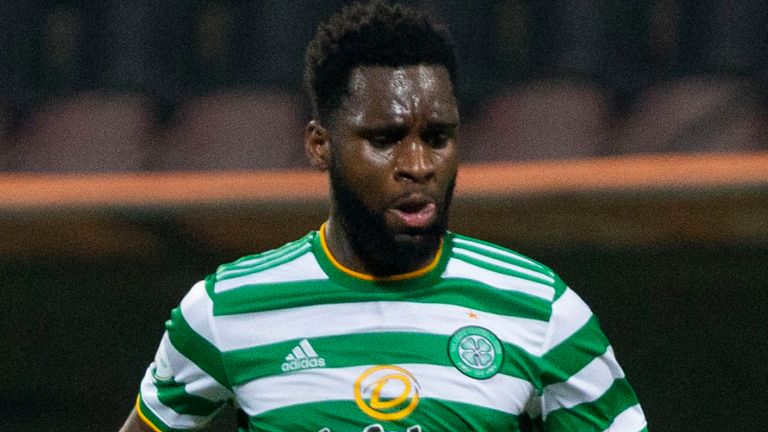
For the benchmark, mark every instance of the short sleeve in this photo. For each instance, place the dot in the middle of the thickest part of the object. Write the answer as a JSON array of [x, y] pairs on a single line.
[[186, 385], [583, 386]]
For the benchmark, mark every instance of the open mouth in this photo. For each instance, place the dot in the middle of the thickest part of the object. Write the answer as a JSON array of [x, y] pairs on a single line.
[[415, 212]]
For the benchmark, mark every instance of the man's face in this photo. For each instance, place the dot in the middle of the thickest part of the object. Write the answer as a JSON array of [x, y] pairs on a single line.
[[393, 160]]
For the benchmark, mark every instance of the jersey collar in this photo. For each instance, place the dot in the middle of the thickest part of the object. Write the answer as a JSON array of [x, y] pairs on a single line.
[[332, 265]]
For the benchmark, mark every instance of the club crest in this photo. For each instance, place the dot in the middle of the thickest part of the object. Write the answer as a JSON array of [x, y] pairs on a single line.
[[476, 352]]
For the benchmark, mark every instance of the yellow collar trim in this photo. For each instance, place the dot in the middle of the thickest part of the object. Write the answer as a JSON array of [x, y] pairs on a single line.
[[364, 276]]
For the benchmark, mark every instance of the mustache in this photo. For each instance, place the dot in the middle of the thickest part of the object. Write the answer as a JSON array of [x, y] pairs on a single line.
[[422, 195]]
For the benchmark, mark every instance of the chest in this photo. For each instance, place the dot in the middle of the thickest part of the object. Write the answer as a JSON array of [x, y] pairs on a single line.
[[397, 366]]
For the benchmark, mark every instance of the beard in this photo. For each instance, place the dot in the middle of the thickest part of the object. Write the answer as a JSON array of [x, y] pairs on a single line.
[[386, 251]]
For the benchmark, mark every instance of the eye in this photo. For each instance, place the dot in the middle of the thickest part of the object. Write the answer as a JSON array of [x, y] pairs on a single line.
[[382, 140], [438, 139]]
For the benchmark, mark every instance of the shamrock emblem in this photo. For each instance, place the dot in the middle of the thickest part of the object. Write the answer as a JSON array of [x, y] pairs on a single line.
[[476, 351]]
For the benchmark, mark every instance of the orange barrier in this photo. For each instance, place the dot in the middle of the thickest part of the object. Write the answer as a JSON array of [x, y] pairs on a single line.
[[628, 173]]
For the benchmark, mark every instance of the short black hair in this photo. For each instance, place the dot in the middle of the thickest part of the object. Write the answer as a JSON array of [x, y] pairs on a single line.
[[370, 34]]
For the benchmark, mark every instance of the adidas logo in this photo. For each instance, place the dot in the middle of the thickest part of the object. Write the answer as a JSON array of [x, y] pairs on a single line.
[[302, 356]]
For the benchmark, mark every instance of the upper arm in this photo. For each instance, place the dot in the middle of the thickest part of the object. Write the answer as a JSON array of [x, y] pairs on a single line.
[[135, 424], [186, 385], [584, 388]]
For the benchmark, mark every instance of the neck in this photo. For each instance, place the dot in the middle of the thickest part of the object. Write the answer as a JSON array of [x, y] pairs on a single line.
[[381, 259]]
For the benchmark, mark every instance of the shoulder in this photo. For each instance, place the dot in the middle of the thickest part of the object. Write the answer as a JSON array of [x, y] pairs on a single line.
[[502, 268], [291, 262], [256, 282]]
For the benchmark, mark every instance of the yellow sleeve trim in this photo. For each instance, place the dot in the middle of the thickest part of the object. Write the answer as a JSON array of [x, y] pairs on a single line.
[[364, 276], [143, 417]]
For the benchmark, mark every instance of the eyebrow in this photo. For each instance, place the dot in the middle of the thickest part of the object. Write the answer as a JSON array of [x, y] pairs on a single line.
[[384, 129], [442, 125], [402, 128]]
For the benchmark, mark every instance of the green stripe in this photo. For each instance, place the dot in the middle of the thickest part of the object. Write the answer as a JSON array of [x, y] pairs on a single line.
[[366, 349], [243, 263], [481, 297], [431, 415], [195, 347], [155, 420], [173, 395], [596, 415], [574, 353], [254, 259], [469, 294], [272, 261], [522, 260], [502, 270], [560, 288], [528, 424]]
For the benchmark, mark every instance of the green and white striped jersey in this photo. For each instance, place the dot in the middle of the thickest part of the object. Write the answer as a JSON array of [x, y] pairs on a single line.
[[483, 339]]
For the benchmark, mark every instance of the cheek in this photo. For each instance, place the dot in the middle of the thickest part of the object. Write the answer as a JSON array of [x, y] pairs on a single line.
[[373, 169], [448, 162], [374, 158], [373, 166], [365, 171]]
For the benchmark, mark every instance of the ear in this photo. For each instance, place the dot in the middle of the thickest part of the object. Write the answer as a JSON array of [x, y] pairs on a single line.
[[317, 141]]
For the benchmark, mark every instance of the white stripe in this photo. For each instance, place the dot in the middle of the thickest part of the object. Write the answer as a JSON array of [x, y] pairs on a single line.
[[569, 314], [370, 317], [257, 260], [500, 392], [496, 250], [302, 268], [265, 261], [457, 268], [584, 386], [165, 414], [195, 381], [502, 264], [631, 420], [197, 309], [304, 344]]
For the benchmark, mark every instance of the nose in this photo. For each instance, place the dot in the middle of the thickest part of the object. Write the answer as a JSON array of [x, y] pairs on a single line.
[[414, 161]]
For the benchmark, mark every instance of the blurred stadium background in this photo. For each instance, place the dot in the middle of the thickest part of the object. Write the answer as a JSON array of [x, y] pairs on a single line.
[[623, 143]]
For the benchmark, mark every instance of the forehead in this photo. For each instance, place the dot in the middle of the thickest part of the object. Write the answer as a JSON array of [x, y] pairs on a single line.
[[378, 93]]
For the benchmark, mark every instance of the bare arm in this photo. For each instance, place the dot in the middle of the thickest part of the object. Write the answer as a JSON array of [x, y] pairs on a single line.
[[134, 424]]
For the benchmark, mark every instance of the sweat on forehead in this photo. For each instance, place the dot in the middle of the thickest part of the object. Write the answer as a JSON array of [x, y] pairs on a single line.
[[400, 80], [383, 94]]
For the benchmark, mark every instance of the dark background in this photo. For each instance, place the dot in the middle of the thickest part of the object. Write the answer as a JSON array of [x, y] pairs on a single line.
[[604, 77], [684, 307], [686, 314]]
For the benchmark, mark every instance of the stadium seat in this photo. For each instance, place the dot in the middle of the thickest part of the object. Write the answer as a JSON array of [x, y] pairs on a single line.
[[241, 129], [695, 114], [90, 132], [550, 119]]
